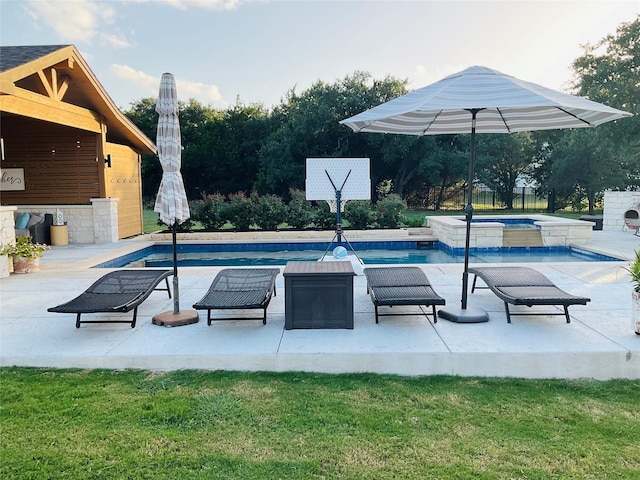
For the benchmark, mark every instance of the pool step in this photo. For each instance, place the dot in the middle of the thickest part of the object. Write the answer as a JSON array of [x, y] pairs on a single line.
[[522, 237]]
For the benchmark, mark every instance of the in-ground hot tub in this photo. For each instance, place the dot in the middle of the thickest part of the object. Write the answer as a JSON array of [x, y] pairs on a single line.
[[488, 230]]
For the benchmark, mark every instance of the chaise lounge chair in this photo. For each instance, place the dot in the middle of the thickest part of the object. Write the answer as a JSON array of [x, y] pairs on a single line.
[[389, 286], [242, 289], [525, 286], [116, 292]]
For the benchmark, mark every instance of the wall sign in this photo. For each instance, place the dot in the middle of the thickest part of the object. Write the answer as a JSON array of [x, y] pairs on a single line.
[[11, 179]]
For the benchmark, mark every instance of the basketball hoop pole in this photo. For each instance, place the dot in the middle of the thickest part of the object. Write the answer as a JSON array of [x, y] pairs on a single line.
[[339, 232], [338, 209]]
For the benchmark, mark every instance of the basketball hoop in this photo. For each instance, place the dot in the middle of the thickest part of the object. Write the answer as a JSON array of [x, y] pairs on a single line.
[[333, 204]]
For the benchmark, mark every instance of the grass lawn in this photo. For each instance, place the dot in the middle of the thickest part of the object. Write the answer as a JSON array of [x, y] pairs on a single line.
[[221, 425]]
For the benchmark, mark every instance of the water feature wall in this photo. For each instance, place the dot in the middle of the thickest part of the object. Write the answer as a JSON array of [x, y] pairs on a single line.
[[615, 205]]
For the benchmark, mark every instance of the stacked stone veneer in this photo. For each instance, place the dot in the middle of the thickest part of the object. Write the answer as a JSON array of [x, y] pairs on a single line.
[[95, 223], [555, 231], [7, 225], [615, 206]]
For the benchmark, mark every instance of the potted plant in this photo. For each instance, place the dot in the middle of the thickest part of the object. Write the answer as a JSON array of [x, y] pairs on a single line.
[[25, 254], [634, 270]]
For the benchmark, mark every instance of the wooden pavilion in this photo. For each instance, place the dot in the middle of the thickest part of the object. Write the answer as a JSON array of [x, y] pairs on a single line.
[[66, 146]]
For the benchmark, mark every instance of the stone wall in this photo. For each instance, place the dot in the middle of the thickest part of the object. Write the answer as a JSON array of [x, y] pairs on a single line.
[[95, 223], [7, 225], [555, 231], [615, 205]]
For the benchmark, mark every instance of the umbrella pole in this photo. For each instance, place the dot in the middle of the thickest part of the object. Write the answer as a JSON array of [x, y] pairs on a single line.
[[464, 314], [176, 289], [175, 318], [468, 211]]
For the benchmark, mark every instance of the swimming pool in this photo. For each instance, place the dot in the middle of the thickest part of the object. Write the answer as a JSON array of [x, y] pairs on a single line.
[[386, 253]]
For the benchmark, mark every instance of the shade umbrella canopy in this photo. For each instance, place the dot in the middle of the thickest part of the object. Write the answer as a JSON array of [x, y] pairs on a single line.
[[479, 99], [171, 201], [507, 104]]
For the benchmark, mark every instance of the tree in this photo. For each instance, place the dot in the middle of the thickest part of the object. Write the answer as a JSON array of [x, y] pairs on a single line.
[[609, 72], [504, 159], [306, 125], [577, 165]]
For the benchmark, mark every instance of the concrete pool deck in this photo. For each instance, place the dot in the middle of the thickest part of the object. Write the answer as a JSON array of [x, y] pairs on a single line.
[[599, 342]]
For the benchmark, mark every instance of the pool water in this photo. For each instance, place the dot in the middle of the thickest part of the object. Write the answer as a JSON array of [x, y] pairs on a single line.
[[509, 222], [398, 252]]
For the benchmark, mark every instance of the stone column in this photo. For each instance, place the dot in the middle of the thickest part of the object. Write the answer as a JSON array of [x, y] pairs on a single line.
[[105, 219]]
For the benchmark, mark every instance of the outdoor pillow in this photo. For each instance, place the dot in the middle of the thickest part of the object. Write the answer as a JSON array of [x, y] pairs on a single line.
[[34, 219], [22, 221]]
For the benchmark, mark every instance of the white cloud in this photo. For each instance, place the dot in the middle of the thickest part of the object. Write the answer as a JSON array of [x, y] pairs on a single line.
[[116, 41], [76, 20], [223, 5], [203, 93]]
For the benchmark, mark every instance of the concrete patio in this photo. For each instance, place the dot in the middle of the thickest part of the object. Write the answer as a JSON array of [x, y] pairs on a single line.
[[599, 342]]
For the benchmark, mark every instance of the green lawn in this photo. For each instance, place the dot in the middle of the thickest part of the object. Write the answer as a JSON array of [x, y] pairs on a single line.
[[198, 425]]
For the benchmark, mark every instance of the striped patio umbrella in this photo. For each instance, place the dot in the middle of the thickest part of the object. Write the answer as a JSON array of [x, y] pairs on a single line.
[[171, 201], [480, 100]]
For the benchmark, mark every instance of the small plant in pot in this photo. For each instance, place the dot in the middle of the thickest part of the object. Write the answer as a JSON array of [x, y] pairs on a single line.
[[25, 254], [634, 270]]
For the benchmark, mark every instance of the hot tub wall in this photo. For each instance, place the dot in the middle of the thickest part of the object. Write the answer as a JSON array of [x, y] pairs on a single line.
[[555, 231]]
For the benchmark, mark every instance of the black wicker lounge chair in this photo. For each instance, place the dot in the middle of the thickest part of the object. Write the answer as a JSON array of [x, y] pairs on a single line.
[[525, 286], [389, 286], [116, 292], [241, 289]]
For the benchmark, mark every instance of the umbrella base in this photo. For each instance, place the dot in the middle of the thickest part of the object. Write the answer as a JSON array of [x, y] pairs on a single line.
[[464, 315], [170, 319]]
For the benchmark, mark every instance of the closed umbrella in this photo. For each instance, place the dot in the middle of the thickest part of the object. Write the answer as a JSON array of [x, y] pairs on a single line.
[[171, 202], [482, 100]]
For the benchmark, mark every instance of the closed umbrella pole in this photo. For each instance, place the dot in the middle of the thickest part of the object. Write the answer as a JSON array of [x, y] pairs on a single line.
[[171, 201]]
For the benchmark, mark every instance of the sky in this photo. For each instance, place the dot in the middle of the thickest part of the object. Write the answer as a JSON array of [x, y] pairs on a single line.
[[254, 51]]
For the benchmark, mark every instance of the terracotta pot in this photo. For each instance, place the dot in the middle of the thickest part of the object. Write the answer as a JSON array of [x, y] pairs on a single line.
[[26, 265], [635, 311]]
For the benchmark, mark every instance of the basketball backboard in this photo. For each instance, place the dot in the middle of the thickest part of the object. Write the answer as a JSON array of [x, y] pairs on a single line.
[[352, 176]]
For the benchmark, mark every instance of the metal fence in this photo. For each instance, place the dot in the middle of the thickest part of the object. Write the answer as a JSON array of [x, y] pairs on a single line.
[[525, 199]]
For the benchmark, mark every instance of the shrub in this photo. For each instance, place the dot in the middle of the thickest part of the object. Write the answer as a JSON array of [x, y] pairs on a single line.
[[269, 212], [300, 210], [389, 210], [414, 221], [209, 211], [240, 211], [360, 214]]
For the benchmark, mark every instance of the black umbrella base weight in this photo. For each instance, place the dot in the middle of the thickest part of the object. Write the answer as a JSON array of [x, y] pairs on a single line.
[[464, 315], [170, 319]]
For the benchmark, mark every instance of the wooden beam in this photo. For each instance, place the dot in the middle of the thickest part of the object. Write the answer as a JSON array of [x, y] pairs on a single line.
[[46, 84], [63, 87], [33, 105]]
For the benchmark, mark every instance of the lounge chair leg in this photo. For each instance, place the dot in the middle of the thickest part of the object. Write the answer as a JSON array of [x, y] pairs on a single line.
[[78, 321], [435, 316], [376, 313], [209, 317], [135, 316], [473, 285], [264, 317], [506, 308], [566, 313]]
